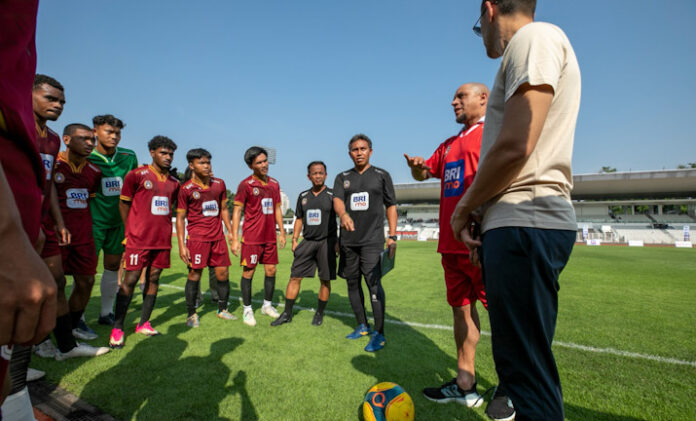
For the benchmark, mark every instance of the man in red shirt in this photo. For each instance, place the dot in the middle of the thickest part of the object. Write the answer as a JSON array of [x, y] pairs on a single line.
[[147, 197], [76, 181], [259, 196], [455, 162], [202, 202]]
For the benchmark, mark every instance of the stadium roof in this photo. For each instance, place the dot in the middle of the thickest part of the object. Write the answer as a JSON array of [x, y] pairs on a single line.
[[660, 184]]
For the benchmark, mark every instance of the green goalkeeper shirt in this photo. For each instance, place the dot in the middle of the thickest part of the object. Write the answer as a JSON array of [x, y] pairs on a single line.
[[104, 207]]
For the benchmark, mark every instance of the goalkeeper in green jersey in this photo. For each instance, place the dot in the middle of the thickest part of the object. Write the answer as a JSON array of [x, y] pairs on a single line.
[[114, 162]]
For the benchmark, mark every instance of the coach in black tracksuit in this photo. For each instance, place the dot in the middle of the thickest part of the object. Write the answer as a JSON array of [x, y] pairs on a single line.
[[362, 196]]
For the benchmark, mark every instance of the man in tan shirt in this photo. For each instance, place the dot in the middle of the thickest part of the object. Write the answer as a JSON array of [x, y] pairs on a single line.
[[521, 198]]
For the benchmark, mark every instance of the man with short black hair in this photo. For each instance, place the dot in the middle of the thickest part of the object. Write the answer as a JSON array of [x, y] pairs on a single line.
[[361, 195], [114, 162], [317, 250], [202, 202], [147, 197], [259, 196], [521, 195]]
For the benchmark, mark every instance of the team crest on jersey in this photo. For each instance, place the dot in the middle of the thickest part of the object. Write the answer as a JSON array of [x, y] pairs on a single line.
[[304, 201], [147, 184], [196, 195], [346, 184], [256, 191], [59, 177]]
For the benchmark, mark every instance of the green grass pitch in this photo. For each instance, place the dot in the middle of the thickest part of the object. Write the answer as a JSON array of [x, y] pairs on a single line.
[[625, 346]]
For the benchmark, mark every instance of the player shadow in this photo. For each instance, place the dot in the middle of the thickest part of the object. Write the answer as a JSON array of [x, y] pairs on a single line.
[[578, 413], [138, 385], [413, 361], [248, 412]]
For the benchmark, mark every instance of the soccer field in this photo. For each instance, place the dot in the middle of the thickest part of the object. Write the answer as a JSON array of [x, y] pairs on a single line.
[[624, 346]]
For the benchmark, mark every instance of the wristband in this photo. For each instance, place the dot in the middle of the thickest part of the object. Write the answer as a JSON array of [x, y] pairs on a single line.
[[392, 237]]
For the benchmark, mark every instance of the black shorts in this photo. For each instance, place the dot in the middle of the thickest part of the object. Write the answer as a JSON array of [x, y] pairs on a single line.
[[310, 255], [361, 260]]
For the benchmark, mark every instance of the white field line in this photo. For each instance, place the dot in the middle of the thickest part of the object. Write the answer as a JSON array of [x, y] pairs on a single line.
[[560, 344]]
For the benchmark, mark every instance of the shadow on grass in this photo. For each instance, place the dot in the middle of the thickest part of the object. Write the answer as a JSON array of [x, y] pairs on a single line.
[[140, 384], [577, 413]]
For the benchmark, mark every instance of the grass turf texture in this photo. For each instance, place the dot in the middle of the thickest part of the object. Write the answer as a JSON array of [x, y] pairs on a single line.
[[632, 299]]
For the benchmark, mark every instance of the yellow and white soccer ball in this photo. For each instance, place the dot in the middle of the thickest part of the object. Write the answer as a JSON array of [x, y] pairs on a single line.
[[388, 401]]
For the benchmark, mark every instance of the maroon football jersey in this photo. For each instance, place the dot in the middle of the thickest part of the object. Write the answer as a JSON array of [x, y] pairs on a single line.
[[75, 186], [203, 205], [149, 223], [259, 200], [48, 143]]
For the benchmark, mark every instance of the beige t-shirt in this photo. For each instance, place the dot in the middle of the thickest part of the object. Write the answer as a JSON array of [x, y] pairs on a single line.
[[539, 197]]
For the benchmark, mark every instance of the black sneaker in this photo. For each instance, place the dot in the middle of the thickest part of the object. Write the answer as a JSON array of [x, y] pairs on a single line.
[[318, 319], [500, 407], [283, 318], [107, 320], [451, 392]]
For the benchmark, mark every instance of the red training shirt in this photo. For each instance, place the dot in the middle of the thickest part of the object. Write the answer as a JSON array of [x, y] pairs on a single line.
[[455, 163], [259, 200], [75, 186], [149, 223], [203, 206]]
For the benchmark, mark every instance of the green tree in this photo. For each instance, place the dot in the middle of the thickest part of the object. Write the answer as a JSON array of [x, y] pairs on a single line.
[[607, 169], [689, 165], [230, 201]]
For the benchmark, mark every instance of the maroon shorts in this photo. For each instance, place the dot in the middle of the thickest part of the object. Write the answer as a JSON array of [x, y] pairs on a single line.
[[208, 253], [137, 259], [463, 280], [51, 247], [80, 259], [253, 254]]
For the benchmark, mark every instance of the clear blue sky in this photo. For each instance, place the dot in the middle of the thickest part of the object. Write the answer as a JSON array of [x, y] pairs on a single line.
[[304, 76]]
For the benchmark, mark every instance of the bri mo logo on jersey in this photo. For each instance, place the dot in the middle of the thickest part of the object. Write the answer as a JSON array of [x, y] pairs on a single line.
[[267, 206], [76, 198], [160, 205], [360, 201], [210, 208], [453, 179], [314, 217], [111, 186]]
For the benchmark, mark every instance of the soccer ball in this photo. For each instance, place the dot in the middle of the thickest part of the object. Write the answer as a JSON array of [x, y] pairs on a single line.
[[388, 401]]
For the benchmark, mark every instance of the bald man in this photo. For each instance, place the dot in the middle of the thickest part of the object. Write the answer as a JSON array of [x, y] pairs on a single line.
[[455, 162]]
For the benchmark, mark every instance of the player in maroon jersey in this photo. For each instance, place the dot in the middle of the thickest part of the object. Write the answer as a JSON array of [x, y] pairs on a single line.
[[147, 197], [76, 181], [259, 196], [202, 202]]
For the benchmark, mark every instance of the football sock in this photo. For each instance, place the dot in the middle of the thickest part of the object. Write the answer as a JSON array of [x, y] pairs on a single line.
[[268, 287], [63, 333], [321, 305], [19, 364], [246, 291], [212, 283], [378, 303], [223, 288], [190, 291], [267, 303], [121, 308], [108, 287], [148, 305], [357, 300], [75, 317], [289, 303], [246, 307]]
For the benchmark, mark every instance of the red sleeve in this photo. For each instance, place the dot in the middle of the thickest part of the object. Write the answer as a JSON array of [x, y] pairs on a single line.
[[182, 200], [175, 195], [130, 186], [241, 195], [435, 161], [223, 198], [276, 194], [97, 182]]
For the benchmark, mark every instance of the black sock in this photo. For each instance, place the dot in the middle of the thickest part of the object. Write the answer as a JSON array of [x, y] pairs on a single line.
[[75, 317], [321, 306], [289, 303], [246, 291], [19, 364], [120, 309], [190, 292], [378, 304], [357, 300], [148, 305], [63, 333], [268, 287], [223, 289]]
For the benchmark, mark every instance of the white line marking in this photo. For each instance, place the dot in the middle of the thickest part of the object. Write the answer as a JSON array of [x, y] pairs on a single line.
[[569, 345]]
